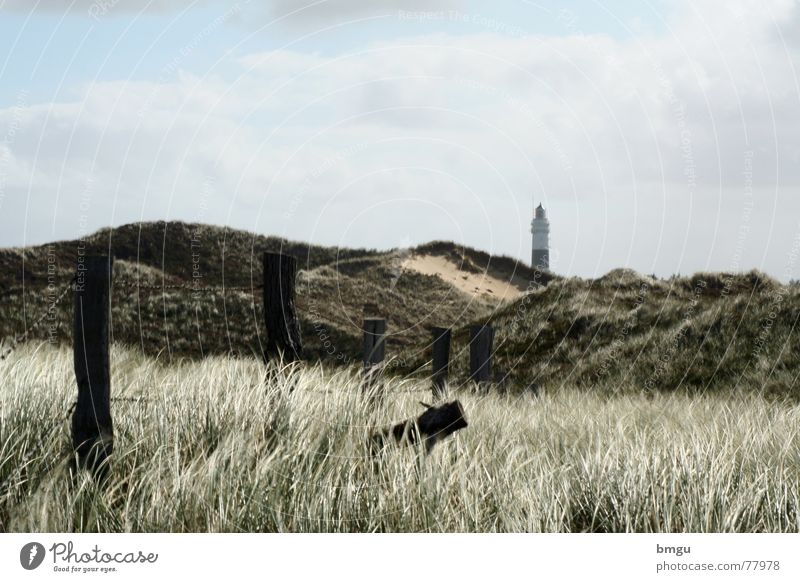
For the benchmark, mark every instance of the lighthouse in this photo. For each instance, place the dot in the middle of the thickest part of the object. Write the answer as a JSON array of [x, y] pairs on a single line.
[[540, 228]]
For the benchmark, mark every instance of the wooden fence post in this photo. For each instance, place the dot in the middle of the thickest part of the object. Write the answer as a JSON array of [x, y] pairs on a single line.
[[283, 327], [481, 338], [374, 349], [441, 359], [92, 429], [434, 425]]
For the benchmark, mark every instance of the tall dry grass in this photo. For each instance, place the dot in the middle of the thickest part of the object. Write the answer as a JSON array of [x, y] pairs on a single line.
[[215, 445]]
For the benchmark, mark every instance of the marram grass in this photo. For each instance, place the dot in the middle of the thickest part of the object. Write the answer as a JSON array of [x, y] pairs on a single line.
[[216, 446]]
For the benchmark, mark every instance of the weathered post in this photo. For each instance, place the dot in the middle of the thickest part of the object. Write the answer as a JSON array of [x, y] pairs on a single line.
[[481, 338], [280, 318], [441, 359], [434, 425], [92, 429], [374, 349]]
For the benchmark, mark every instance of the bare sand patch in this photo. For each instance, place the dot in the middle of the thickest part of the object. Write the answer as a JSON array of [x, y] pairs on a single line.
[[482, 284]]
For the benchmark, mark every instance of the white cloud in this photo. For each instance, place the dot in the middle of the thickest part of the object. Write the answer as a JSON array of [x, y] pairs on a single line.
[[96, 8], [326, 10], [313, 11], [639, 148]]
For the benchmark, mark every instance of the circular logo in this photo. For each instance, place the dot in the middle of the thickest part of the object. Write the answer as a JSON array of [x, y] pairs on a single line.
[[31, 555]]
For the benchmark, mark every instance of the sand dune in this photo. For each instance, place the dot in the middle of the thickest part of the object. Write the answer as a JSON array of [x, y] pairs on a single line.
[[476, 284]]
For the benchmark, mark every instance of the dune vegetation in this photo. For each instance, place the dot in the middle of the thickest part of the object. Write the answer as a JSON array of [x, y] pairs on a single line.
[[226, 444], [622, 403]]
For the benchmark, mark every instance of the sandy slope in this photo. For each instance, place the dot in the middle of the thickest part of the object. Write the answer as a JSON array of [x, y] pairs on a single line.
[[476, 284]]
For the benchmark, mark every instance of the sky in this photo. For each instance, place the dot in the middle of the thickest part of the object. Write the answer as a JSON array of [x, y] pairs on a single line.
[[660, 136]]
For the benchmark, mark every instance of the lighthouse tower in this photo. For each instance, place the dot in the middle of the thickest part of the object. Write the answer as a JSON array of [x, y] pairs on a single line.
[[540, 227]]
